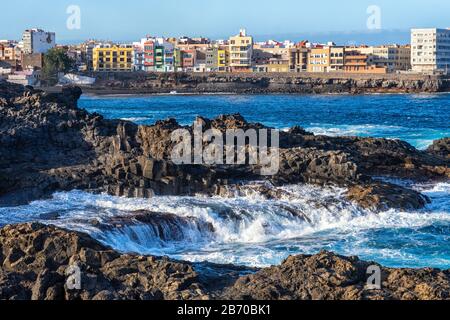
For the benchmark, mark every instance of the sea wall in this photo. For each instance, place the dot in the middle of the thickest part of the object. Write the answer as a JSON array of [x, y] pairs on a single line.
[[254, 83]]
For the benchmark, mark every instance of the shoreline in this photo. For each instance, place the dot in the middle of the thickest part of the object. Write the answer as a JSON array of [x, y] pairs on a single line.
[[88, 152], [90, 92], [268, 83], [106, 273]]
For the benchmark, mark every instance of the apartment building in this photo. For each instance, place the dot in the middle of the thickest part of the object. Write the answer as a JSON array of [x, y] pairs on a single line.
[[319, 59], [278, 64], [241, 52], [222, 59], [355, 62], [430, 50], [32, 61], [188, 59], [337, 55], [211, 63], [164, 55], [149, 55], [138, 58], [10, 51], [139, 55], [298, 57], [113, 58], [216, 59], [38, 41], [392, 57], [159, 58]]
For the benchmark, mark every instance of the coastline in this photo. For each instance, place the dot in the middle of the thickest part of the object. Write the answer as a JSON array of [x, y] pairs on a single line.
[[106, 274], [88, 152], [254, 83]]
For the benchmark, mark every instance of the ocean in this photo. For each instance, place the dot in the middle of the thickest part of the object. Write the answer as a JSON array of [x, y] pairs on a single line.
[[251, 230]]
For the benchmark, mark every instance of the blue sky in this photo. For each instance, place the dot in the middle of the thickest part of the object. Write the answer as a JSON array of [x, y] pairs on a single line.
[[125, 20]]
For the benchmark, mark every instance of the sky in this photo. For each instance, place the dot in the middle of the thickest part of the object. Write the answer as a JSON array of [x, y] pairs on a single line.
[[344, 22]]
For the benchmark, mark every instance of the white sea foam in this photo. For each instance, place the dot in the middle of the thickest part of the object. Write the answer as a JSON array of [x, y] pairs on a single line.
[[136, 119], [247, 230], [352, 130]]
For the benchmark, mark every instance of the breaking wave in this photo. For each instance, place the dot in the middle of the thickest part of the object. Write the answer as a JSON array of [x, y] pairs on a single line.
[[252, 230]]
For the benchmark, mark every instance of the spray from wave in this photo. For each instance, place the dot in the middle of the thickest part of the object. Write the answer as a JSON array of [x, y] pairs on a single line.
[[252, 230]]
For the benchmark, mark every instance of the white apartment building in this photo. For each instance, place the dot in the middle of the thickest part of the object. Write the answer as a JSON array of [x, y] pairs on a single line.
[[38, 41], [430, 50]]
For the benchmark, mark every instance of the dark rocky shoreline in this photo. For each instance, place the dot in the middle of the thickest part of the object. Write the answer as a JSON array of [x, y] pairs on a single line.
[[48, 144], [34, 259], [272, 83]]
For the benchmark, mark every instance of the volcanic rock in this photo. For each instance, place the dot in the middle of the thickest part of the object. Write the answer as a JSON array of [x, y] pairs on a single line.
[[35, 260]]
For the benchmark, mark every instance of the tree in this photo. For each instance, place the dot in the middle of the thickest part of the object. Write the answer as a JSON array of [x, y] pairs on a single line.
[[55, 60]]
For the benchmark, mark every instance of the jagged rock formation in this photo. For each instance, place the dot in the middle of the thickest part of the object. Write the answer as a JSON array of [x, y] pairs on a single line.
[[327, 276], [307, 83], [35, 259], [47, 144], [441, 148]]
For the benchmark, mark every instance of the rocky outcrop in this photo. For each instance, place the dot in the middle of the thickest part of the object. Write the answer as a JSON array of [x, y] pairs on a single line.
[[382, 196], [327, 276], [37, 261], [441, 148], [47, 144], [305, 83]]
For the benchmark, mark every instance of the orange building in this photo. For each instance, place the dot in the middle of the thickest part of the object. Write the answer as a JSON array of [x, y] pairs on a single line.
[[356, 62]]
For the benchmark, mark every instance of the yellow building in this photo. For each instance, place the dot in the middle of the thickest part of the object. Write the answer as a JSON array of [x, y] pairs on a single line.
[[112, 58], [241, 52], [222, 59], [319, 60], [278, 65]]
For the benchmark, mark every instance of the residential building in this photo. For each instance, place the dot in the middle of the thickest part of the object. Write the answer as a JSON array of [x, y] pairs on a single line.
[[159, 58], [355, 62], [113, 58], [319, 59], [298, 58], [216, 59], [138, 56], [430, 50], [241, 52], [211, 59], [33, 61], [149, 55], [25, 78], [393, 57], [5, 68], [163, 55], [10, 51], [337, 59], [188, 59], [38, 41], [278, 64], [222, 58]]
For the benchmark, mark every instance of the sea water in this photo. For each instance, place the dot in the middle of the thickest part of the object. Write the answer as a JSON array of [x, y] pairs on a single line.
[[249, 229]]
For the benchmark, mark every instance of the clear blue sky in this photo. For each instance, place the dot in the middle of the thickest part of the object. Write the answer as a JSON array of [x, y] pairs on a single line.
[[125, 20]]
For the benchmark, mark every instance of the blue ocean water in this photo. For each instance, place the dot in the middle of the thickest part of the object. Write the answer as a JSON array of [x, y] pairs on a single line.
[[417, 119], [251, 230]]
